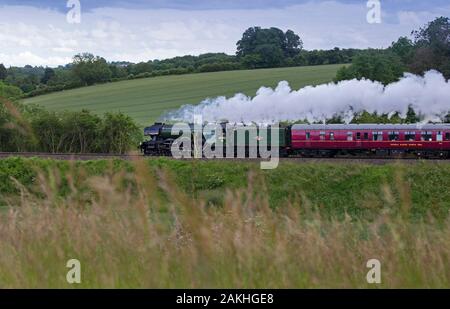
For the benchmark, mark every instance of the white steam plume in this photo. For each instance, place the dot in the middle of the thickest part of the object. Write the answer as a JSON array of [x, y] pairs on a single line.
[[428, 95]]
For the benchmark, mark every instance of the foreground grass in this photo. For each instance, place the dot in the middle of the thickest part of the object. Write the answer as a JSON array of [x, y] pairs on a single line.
[[136, 225], [355, 189], [146, 99]]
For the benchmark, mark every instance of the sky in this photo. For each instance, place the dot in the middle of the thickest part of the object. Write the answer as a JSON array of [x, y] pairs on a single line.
[[37, 32]]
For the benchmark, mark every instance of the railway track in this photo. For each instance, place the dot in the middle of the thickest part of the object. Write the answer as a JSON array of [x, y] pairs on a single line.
[[66, 156], [98, 156]]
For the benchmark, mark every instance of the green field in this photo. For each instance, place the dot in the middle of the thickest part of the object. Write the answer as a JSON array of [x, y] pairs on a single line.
[[147, 99], [162, 223]]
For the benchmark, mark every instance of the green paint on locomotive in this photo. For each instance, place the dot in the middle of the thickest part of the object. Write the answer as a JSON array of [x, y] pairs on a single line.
[[262, 138]]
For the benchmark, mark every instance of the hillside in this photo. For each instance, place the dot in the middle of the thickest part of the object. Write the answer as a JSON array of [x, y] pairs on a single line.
[[146, 99]]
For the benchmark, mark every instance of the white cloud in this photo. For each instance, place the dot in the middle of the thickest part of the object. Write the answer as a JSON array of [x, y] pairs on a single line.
[[30, 58], [40, 36]]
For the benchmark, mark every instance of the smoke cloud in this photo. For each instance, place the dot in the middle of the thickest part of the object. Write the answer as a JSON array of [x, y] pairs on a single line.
[[429, 95]]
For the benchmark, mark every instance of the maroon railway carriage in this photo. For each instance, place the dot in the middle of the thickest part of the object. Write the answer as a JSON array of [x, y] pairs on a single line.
[[428, 140]]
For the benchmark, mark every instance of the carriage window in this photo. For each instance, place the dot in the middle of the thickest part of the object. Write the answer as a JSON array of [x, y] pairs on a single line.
[[426, 136], [394, 136], [447, 136], [350, 136], [322, 136], [377, 136], [410, 136], [366, 135], [439, 136], [358, 136], [308, 135], [331, 136]]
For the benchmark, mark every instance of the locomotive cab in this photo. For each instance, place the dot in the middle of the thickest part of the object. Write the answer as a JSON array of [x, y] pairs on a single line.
[[153, 130], [152, 140]]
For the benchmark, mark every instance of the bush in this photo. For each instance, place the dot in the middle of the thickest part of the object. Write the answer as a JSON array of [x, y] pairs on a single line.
[[31, 128], [385, 67], [118, 133], [10, 92], [215, 67]]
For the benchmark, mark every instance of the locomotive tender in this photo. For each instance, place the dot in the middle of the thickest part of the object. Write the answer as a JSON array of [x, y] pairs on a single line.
[[330, 140]]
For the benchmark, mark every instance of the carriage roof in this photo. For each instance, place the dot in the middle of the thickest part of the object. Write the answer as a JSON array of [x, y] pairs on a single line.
[[368, 127]]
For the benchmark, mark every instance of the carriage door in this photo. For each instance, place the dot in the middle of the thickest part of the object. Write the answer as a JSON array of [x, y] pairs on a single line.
[[358, 139], [308, 139], [440, 139]]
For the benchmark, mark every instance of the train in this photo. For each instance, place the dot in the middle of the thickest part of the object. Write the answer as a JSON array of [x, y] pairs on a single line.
[[316, 140]]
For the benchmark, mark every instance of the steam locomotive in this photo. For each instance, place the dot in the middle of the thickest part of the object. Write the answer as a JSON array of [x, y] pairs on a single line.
[[315, 140]]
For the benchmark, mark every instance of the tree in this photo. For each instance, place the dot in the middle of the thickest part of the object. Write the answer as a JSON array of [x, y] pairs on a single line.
[[411, 116], [28, 83], [49, 129], [366, 117], [300, 59], [81, 129], [270, 55], [293, 44], [246, 45], [49, 73], [252, 61], [143, 67], [404, 48], [10, 92], [396, 118], [91, 69], [435, 34], [422, 61], [272, 46], [447, 118], [345, 73], [336, 119], [118, 133], [118, 71], [381, 66], [3, 72], [432, 44], [15, 133], [65, 78]]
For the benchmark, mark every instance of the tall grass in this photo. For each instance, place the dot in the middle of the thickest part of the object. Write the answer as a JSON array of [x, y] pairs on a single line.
[[135, 230]]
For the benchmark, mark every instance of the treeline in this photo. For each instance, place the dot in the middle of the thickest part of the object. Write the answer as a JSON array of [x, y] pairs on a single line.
[[270, 48], [31, 128], [258, 48], [411, 116], [362, 117], [428, 49], [88, 69]]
